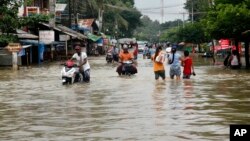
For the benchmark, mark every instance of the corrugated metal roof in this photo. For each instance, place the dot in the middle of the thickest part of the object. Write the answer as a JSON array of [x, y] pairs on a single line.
[[87, 23], [67, 31]]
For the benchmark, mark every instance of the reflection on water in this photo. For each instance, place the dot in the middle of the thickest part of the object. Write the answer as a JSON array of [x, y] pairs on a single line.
[[35, 106]]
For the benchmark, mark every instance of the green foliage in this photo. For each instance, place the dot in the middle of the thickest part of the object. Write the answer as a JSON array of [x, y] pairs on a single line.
[[10, 20], [133, 19], [192, 33], [170, 31], [28, 2], [170, 35], [233, 2], [116, 13], [8, 16], [33, 20], [5, 39], [149, 30], [229, 21], [199, 8], [171, 24]]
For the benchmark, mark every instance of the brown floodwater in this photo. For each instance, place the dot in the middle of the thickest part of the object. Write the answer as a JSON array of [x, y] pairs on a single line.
[[34, 105]]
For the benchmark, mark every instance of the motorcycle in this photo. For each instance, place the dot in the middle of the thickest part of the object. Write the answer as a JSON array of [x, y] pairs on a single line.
[[127, 68], [109, 58], [68, 73], [148, 55]]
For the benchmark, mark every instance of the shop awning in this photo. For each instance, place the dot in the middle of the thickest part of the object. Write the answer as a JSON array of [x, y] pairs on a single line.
[[93, 37], [31, 42], [67, 31], [26, 46], [25, 35], [71, 32]]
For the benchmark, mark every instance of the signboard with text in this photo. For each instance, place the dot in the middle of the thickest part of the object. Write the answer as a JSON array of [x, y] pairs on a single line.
[[32, 10], [46, 36], [14, 47], [60, 7], [63, 37]]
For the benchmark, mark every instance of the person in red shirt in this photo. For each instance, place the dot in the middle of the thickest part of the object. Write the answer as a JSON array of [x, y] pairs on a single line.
[[135, 53], [187, 63]]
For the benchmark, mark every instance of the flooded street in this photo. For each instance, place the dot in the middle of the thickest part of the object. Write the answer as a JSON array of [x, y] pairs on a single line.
[[34, 106]]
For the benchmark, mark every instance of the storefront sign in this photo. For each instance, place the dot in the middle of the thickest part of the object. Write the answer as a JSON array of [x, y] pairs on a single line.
[[32, 10], [64, 37], [14, 47], [46, 36], [60, 7]]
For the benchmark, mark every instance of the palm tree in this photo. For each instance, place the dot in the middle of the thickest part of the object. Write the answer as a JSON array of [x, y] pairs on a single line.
[[97, 8]]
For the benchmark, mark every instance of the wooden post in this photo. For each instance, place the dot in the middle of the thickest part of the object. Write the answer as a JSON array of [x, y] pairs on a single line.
[[51, 52], [14, 61], [66, 48], [14, 48], [27, 57], [213, 52], [247, 53]]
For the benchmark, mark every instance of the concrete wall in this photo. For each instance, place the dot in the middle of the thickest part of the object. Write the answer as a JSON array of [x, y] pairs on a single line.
[[6, 58]]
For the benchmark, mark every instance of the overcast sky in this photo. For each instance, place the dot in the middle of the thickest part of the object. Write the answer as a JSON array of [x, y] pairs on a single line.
[[173, 9]]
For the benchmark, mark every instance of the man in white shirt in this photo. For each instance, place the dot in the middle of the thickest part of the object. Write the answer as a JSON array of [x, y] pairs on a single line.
[[82, 62]]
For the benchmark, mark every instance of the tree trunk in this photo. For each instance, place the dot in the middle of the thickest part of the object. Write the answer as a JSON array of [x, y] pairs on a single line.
[[237, 44], [213, 51], [199, 47], [247, 54]]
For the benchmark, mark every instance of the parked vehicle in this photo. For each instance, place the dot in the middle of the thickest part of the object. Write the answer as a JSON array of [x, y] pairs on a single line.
[[207, 55], [109, 57], [141, 46]]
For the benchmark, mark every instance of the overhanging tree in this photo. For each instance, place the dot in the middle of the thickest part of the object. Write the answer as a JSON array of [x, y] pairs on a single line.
[[9, 20], [230, 21], [193, 33]]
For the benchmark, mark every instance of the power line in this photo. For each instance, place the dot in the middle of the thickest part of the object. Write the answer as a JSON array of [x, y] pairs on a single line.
[[155, 12], [171, 6]]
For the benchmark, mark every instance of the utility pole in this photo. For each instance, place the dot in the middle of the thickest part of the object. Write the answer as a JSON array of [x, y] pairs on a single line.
[[192, 12], [183, 19], [69, 2], [52, 9], [100, 15], [162, 10], [75, 15], [71, 43]]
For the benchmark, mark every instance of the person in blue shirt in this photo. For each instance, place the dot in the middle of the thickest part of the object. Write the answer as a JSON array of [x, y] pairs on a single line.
[[175, 65]]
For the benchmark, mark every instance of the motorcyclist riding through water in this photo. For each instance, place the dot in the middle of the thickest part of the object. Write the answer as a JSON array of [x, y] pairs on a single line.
[[82, 63], [124, 57]]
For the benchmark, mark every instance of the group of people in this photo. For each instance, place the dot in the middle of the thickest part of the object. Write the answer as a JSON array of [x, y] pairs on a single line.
[[175, 60]]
